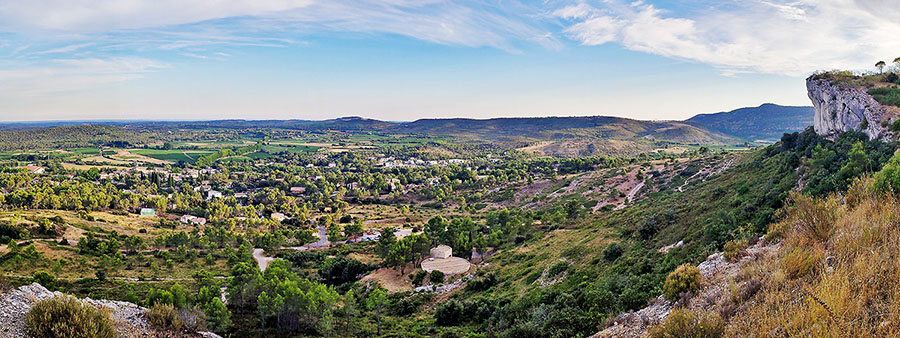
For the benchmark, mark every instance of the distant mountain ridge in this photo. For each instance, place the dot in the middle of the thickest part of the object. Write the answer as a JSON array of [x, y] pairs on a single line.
[[764, 123], [556, 136]]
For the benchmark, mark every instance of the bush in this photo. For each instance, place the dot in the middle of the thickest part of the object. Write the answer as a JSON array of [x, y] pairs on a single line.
[[557, 269], [46, 279], [685, 278], [436, 277], [685, 323], [67, 317], [165, 317], [449, 313], [419, 277], [816, 219], [886, 96], [798, 262], [734, 249], [482, 283], [888, 179], [532, 277], [405, 307], [613, 252]]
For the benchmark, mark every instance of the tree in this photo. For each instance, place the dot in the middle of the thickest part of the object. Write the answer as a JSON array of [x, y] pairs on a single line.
[[375, 302], [385, 242], [217, 315], [897, 62], [351, 309], [13, 247], [243, 275], [397, 256], [268, 307], [858, 162], [354, 229], [179, 296], [134, 243], [435, 229], [880, 65]]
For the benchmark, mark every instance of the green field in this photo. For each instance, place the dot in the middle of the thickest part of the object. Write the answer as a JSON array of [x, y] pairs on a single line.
[[291, 148], [189, 156], [85, 151], [259, 155]]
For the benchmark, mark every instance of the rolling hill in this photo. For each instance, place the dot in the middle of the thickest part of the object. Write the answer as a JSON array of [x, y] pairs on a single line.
[[764, 123], [553, 136]]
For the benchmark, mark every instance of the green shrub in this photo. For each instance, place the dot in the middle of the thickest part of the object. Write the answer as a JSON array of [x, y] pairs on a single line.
[[886, 96], [557, 269], [482, 283], [613, 252], [419, 278], [449, 313], [436, 277], [888, 179], [532, 277], [683, 323], [45, 279], [67, 317], [685, 278]]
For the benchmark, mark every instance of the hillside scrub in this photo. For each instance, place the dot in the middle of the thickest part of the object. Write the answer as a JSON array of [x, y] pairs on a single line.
[[735, 206], [682, 323], [838, 274], [68, 317], [886, 96]]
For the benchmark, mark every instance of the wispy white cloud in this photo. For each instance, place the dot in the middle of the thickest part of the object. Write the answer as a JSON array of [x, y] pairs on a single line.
[[780, 37], [69, 75], [466, 23], [64, 49], [97, 16]]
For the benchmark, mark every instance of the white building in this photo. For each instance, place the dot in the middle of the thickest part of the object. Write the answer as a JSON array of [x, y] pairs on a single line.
[[213, 194], [441, 251]]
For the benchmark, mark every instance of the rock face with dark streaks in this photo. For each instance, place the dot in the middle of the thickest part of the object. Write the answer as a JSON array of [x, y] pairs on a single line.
[[840, 107]]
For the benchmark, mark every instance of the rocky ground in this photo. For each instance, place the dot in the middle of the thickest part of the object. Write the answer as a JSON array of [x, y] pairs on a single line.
[[717, 273], [129, 318]]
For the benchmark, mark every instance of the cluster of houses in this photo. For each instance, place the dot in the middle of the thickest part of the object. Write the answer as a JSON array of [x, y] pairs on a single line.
[[163, 172], [391, 162]]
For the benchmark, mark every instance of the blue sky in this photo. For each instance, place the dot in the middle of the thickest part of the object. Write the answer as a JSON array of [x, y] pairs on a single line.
[[404, 59]]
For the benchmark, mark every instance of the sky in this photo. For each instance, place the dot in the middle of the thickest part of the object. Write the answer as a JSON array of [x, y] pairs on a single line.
[[401, 60]]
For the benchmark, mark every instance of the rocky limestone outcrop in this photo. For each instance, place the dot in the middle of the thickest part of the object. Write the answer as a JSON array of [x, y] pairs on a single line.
[[840, 107], [128, 317]]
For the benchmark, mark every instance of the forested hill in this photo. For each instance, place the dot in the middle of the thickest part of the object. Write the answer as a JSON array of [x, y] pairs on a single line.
[[74, 136], [767, 122], [551, 128]]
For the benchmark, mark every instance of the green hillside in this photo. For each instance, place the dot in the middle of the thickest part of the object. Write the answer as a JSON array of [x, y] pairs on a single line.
[[764, 123]]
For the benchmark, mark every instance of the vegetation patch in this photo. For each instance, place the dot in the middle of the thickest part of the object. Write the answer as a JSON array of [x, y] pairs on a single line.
[[66, 316]]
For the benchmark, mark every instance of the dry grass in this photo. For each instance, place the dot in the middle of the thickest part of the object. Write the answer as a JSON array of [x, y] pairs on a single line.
[[838, 274]]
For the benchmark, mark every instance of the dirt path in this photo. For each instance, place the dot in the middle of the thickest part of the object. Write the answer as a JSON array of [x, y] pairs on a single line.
[[709, 172], [263, 260], [629, 198]]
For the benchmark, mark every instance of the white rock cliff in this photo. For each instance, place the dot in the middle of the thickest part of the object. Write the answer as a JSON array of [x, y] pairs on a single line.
[[840, 108]]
